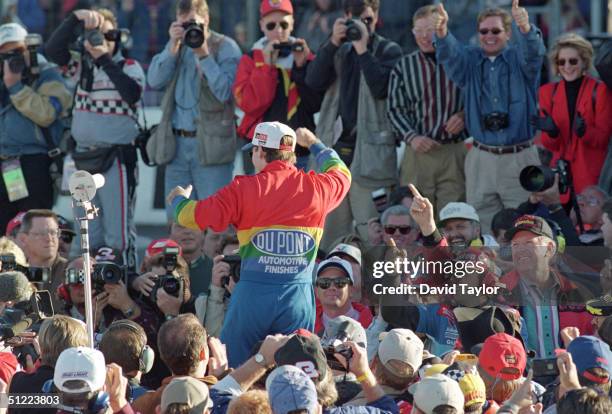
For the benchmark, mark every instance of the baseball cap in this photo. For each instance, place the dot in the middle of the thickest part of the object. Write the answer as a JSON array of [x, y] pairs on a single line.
[[346, 327], [503, 356], [591, 352], [65, 225], [290, 389], [158, 246], [601, 306], [456, 210], [269, 6], [80, 363], [335, 261], [347, 249], [14, 224], [186, 390], [534, 224], [437, 390], [12, 32], [402, 345], [472, 385], [304, 348], [269, 135]]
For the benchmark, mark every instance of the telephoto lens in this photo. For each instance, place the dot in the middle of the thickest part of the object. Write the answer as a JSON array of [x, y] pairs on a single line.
[[194, 34], [353, 33], [535, 178]]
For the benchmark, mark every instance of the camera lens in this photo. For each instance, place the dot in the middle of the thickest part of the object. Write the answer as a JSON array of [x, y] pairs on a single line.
[[352, 31], [172, 286], [194, 36], [536, 178]]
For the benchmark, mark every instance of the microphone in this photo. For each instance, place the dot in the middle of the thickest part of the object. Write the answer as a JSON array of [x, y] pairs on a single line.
[[15, 287]]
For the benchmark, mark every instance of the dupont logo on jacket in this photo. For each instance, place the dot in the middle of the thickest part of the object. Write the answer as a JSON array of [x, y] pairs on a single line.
[[283, 242]]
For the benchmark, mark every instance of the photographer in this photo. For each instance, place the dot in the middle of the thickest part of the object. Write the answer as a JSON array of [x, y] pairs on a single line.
[[104, 119], [498, 80], [33, 97], [353, 70], [197, 69], [274, 61]]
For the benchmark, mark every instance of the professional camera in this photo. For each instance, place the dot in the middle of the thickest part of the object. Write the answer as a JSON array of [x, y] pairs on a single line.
[[94, 37], [235, 262], [285, 48], [353, 33], [496, 121], [16, 61], [141, 141], [26, 315], [106, 272], [337, 345], [536, 178], [34, 274], [170, 282], [194, 34]]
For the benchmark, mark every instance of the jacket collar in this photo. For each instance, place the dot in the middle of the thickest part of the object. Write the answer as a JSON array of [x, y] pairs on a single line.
[[512, 279], [278, 165]]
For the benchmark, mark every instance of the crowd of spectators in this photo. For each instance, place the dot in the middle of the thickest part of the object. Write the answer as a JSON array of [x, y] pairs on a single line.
[[309, 284]]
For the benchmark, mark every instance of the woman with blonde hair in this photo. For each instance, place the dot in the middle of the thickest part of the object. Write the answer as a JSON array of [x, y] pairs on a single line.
[[575, 112]]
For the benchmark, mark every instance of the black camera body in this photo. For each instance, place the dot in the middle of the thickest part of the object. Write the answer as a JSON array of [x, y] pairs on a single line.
[[34, 274], [235, 262], [333, 347], [285, 48], [106, 272], [39, 274], [170, 282], [194, 34], [353, 33], [15, 59], [536, 178], [94, 37], [496, 121]]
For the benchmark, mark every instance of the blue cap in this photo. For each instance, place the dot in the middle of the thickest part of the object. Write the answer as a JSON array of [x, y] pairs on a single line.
[[290, 389], [590, 352]]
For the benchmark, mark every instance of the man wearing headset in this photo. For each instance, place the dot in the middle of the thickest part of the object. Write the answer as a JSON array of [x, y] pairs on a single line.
[[125, 344], [104, 119]]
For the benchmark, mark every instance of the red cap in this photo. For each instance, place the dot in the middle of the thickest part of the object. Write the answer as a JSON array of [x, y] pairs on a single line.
[[269, 6], [503, 356], [158, 246], [14, 223]]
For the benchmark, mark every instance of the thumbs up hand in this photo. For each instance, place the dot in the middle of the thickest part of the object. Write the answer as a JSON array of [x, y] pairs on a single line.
[[520, 16], [440, 21]]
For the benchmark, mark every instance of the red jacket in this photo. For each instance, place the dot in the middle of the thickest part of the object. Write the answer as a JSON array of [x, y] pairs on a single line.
[[586, 155], [365, 316]]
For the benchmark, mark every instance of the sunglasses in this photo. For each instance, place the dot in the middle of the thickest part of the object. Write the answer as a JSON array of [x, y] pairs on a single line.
[[572, 61], [485, 32], [66, 237], [325, 283], [402, 229], [272, 25]]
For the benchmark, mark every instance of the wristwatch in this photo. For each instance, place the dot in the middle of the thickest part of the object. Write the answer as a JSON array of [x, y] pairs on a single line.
[[259, 358], [129, 312]]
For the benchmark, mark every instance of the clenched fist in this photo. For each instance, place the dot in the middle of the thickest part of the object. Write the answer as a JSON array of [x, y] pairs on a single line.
[[440, 21], [520, 16]]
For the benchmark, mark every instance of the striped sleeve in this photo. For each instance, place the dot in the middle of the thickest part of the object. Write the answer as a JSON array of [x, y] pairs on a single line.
[[399, 102], [334, 177], [217, 211]]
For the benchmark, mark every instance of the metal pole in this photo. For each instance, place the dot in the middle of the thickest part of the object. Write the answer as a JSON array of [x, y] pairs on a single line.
[[596, 16], [84, 225]]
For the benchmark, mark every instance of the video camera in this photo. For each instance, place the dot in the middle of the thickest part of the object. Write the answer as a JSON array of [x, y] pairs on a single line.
[[337, 345], [170, 282], [34, 274], [285, 48], [234, 261], [536, 178], [16, 58], [194, 34], [107, 272], [26, 315]]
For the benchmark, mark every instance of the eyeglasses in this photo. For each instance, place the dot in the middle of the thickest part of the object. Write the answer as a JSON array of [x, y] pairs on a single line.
[[272, 25], [589, 201], [325, 283], [494, 31], [572, 62], [394, 229], [66, 237], [420, 33], [40, 234]]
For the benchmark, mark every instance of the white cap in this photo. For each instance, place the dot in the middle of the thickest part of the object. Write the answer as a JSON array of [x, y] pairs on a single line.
[[269, 135], [80, 363], [402, 345], [437, 390], [456, 210], [335, 261], [347, 249], [12, 32]]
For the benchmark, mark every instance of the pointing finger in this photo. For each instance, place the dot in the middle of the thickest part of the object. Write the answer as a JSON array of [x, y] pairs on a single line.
[[441, 9], [414, 191]]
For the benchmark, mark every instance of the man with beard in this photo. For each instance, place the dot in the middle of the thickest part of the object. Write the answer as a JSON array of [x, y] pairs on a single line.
[[461, 226], [191, 242]]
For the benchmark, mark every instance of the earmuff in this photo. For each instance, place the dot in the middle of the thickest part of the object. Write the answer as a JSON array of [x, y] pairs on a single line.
[[146, 358], [64, 294], [97, 404], [558, 235]]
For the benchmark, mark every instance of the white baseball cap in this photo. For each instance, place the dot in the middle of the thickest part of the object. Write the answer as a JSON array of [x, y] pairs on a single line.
[[402, 345], [269, 135], [348, 249], [437, 390], [456, 210], [80, 363], [12, 32], [335, 261]]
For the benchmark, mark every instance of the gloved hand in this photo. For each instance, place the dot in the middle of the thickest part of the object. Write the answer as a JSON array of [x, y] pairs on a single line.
[[546, 124], [579, 125]]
